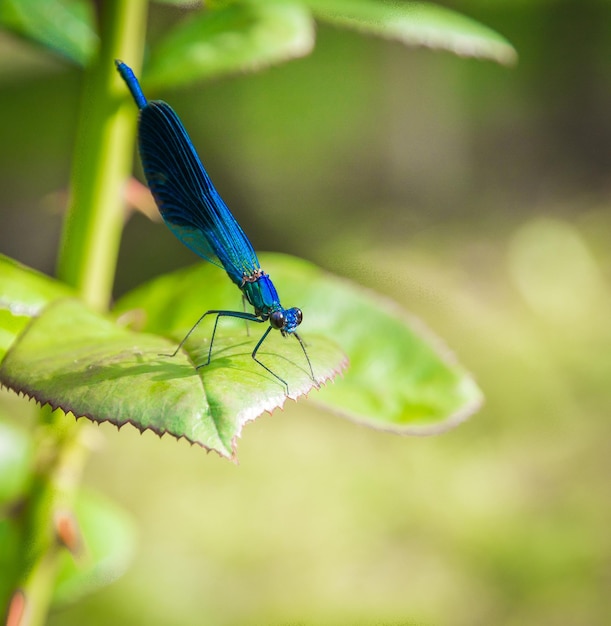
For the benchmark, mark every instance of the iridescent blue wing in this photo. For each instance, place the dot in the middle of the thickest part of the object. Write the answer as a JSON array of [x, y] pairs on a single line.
[[187, 200]]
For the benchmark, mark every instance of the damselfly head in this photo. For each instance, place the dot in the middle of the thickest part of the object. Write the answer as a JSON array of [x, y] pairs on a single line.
[[286, 320]]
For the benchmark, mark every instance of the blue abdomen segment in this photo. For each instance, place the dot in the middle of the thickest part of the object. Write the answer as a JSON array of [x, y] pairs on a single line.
[[132, 83]]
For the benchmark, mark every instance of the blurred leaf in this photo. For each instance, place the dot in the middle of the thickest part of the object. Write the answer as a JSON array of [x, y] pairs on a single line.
[[109, 538], [416, 24], [65, 26], [243, 36], [15, 457], [10, 326], [23, 294], [24, 291], [400, 377], [186, 4], [556, 273], [81, 362], [10, 555]]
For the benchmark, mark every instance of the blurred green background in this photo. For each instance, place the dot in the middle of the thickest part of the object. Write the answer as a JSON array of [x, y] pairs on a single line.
[[476, 196]]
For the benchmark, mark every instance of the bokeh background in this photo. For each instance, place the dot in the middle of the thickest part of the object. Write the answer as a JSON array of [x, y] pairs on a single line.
[[476, 196]]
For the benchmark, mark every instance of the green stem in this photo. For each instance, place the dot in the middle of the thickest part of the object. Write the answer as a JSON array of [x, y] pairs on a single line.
[[62, 452], [87, 260], [103, 154]]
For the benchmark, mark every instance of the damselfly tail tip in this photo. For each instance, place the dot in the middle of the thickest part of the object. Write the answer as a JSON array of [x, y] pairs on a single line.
[[127, 74]]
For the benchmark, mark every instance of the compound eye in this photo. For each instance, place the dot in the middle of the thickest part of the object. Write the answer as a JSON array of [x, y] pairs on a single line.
[[298, 317], [277, 320]]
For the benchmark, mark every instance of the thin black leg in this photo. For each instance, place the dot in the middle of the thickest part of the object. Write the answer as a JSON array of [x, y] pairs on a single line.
[[249, 317], [254, 356], [305, 353]]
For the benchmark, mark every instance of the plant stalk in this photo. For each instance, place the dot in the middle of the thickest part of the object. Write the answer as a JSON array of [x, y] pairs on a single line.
[[102, 157], [87, 260]]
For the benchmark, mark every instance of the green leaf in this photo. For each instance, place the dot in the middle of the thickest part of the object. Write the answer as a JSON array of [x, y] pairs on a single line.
[[10, 556], [23, 294], [65, 26], [186, 4], [108, 536], [79, 361], [416, 24], [24, 291], [15, 459], [400, 378], [243, 36]]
